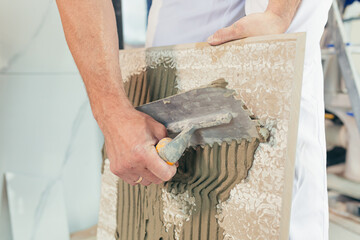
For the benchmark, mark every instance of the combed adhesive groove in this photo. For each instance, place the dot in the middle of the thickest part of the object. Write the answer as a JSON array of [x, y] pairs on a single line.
[[206, 173]]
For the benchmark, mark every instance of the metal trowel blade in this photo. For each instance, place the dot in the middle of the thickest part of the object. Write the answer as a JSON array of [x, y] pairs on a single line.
[[204, 104]]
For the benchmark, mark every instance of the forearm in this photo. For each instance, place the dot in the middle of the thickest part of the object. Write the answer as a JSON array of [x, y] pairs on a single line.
[[90, 31], [285, 9], [130, 136]]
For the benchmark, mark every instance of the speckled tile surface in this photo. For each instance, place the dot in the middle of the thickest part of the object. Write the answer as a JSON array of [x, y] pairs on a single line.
[[266, 73]]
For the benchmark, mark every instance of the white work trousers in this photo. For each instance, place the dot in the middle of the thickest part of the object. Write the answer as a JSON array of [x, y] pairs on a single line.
[[186, 21]]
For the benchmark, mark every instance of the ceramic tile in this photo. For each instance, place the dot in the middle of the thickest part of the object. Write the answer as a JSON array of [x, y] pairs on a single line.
[[31, 12], [37, 209], [218, 203], [5, 228], [47, 129], [38, 47]]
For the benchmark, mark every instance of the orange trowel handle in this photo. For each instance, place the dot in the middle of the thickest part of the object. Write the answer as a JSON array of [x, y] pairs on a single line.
[[171, 150], [160, 146]]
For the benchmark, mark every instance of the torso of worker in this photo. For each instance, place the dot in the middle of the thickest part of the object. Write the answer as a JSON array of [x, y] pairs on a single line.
[[187, 21]]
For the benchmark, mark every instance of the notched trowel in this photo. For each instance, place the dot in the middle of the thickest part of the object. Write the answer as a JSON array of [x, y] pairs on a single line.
[[205, 115]]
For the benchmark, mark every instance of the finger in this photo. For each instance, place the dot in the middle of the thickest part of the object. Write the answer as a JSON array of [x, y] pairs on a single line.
[[134, 176], [145, 182], [159, 131], [130, 179], [235, 31], [159, 167], [133, 179], [148, 175]]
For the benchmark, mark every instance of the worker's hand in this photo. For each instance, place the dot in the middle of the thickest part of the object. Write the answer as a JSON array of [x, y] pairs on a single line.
[[255, 24], [130, 137]]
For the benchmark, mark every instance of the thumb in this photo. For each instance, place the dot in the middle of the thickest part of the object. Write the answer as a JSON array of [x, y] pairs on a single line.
[[235, 31], [159, 131], [158, 166]]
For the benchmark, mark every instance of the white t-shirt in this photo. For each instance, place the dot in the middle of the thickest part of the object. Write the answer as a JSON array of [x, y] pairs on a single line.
[[187, 21]]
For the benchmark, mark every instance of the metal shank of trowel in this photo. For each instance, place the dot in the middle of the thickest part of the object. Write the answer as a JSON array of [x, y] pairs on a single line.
[[172, 151]]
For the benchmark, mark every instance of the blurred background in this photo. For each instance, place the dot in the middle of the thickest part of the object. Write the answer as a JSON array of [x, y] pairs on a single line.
[[50, 145]]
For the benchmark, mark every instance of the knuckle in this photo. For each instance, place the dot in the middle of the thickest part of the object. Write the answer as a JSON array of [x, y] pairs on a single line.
[[119, 169], [138, 160], [138, 152], [161, 126], [162, 129], [125, 167]]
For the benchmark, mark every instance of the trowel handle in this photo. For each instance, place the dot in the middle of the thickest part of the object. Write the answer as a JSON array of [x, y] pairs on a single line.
[[171, 149], [160, 148]]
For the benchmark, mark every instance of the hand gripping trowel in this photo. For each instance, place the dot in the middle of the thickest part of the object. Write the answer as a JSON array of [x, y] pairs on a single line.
[[201, 116]]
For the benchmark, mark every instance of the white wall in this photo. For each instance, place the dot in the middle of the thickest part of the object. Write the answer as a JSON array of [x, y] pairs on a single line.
[[46, 125]]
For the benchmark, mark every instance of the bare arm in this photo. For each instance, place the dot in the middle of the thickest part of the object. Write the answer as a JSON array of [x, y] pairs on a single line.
[[130, 136], [276, 19]]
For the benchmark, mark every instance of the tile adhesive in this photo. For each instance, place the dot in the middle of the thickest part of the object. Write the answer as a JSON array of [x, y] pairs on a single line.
[[230, 190], [189, 206]]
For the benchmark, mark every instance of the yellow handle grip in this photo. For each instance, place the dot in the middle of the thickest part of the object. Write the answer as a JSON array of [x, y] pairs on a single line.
[[161, 144]]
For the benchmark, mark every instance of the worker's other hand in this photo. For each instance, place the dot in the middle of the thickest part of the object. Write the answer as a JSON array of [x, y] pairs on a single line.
[[130, 137], [255, 24]]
